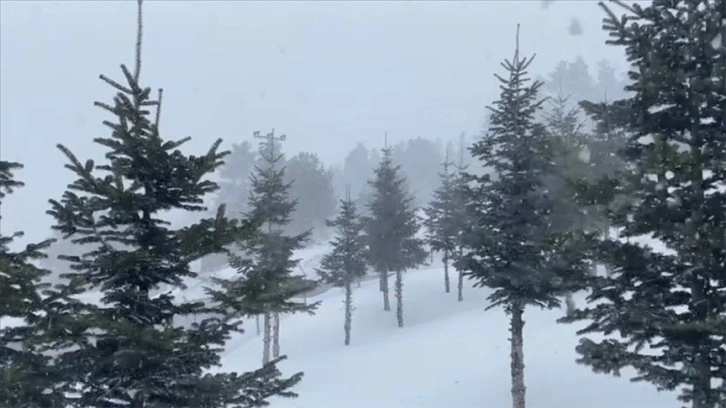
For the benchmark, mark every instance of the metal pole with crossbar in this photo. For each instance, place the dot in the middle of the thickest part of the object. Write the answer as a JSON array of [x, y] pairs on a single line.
[[269, 143]]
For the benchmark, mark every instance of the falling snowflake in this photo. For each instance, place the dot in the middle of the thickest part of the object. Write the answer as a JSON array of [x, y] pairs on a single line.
[[718, 41], [575, 27]]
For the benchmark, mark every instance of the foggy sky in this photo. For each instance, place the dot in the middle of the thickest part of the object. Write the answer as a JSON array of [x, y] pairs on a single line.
[[328, 74]]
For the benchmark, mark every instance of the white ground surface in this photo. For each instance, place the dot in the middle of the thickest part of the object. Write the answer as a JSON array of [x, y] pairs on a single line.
[[450, 354]]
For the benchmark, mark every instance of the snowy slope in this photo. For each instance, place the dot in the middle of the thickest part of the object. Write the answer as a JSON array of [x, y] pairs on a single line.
[[449, 354]]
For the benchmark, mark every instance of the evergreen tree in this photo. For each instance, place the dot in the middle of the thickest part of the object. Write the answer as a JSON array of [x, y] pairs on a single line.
[[415, 157], [234, 186], [461, 196], [136, 346], [391, 230], [571, 168], [28, 376], [510, 245], [608, 82], [266, 283], [668, 308], [442, 218], [346, 262], [357, 166], [574, 78], [312, 188], [571, 161], [607, 139], [604, 146]]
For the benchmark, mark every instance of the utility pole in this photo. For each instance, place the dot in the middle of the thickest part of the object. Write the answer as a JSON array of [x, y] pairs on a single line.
[[271, 318], [269, 143]]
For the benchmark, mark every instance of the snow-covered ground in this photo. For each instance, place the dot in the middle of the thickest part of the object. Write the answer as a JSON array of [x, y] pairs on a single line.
[[450, 354]]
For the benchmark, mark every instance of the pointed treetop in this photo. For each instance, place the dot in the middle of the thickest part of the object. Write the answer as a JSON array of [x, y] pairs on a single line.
[[560, 93], [139, 38], [158, 109], [269, 144], [516, 47], [462, 139]]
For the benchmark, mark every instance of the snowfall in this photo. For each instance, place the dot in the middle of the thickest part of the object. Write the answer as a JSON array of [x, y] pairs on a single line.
[[449, 354]]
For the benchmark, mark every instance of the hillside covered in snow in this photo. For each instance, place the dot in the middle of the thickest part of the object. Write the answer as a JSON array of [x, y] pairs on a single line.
[[450, 354]]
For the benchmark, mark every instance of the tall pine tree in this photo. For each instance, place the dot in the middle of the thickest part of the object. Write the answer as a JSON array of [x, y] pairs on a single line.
[[266, 282], [668, 308], [139, 345], [510, 245], [572, 168], [234, 184], [391, 230], [346, 262], [28, 375], [312, 188], [443, 217], [461, 194]]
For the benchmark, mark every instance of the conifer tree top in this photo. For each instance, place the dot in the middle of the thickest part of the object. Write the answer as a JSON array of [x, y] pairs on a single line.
[[392, 224], [512, 248], [28, 375], [140, 337], [674, 153], [346, 261], [445, 213]]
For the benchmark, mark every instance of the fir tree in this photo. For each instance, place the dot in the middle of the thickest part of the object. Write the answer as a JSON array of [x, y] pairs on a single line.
[[571, 168], [234, 185], [461, 194], [608, 134], [312, 188], [510, 245], [266, 283], [598, 193], [28, 376], [667, 307], [137, 346], [391, 230], [442, 218], [346, 262]]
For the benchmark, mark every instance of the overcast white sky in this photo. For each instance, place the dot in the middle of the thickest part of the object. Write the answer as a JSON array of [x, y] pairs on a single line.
[[328, 74]]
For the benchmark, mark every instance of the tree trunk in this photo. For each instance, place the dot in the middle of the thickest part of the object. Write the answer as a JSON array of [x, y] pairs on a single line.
[[276, 335], [703, 391], [257, 322], [703, 394], [138, 401], [447, 284], [461, 281], [384, 289], [399, 297], [570, 304], [348, 311], [461, 287], [517, 356], [266, 326]]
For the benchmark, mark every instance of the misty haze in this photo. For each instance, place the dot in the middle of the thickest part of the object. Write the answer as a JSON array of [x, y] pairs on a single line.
[[395, 204]]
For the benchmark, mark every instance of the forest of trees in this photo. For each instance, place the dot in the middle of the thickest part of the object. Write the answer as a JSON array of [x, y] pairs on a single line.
[[547, 201]]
